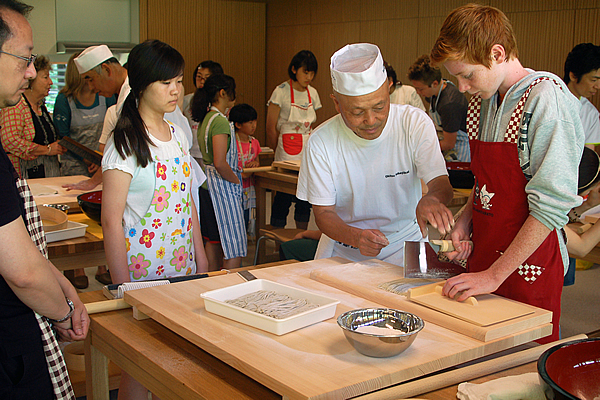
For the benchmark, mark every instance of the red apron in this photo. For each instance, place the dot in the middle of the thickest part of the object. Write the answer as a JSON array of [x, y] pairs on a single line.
[[500, 208]]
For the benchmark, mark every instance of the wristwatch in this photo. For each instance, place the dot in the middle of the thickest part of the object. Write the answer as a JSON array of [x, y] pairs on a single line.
[[69, 314]]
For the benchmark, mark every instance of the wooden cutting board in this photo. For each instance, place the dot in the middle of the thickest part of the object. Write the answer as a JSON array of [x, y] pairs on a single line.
[[315, 362], [363, 279], [287, 165], [61, 195], [485, 310]]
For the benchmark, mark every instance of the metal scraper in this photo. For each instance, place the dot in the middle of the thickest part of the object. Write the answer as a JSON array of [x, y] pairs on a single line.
[[421, 261]]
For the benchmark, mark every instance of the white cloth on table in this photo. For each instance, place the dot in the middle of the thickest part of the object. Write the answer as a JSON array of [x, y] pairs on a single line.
[[515, 387]]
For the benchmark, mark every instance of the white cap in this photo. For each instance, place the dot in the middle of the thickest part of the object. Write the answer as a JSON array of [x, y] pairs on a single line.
[[357, 69], [91, 57]]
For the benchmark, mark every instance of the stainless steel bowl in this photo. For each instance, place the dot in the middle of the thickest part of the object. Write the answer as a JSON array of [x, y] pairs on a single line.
[[398, 330], [61, 207]]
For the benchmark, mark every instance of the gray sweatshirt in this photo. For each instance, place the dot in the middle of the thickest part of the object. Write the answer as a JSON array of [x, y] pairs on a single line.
[[552, 150]]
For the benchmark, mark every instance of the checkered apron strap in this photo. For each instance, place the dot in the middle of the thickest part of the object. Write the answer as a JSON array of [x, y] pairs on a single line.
[[512, 131], [33, 221], [54, 358], [473, 112]]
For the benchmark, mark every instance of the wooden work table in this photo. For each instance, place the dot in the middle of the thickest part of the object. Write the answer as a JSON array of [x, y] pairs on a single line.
[[174, 368]]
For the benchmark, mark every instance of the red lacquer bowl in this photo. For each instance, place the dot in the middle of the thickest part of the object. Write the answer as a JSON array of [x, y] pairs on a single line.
[[91, 204], [572, 369]]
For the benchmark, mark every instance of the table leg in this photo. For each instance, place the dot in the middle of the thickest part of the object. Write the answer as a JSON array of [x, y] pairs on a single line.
[[96, 372], [261, 213]]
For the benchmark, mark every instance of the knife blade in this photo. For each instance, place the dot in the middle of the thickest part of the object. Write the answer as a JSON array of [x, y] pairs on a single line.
[[421, 261]]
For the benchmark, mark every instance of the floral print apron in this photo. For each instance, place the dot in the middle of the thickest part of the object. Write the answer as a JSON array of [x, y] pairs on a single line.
[[160, 245]]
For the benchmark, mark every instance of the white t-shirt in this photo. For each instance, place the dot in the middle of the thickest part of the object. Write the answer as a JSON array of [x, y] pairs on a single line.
[[111, 117], [590, 119], [406, 94], [374, 184], [141, 188], [187, 112], [282, 97]]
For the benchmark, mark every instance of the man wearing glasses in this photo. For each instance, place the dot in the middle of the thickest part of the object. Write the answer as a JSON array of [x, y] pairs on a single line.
[[34, 296]]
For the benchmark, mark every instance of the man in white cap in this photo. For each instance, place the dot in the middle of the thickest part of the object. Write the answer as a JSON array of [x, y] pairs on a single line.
[[108, 77], [362, 169]]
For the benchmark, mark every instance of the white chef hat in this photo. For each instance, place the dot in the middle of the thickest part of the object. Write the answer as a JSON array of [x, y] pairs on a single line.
[[91, 57], [357, 69]]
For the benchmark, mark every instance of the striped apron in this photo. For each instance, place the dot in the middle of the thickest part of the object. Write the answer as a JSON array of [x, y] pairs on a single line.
[[227, 199]]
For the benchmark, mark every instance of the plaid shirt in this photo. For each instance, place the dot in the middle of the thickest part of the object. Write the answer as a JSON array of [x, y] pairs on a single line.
[[17, 133]]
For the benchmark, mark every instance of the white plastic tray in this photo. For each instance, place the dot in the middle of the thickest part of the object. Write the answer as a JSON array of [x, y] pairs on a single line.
[[73, 230], [214, 301]]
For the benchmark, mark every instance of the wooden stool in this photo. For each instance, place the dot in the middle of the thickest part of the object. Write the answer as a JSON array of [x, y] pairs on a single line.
[[279, 235]]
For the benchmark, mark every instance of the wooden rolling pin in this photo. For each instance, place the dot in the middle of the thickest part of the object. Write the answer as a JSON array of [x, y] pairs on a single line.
[[257, 169], [446, 245], [106, 305], [463, 374]]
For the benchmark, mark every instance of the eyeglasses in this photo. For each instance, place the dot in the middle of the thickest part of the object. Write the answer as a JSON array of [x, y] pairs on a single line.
[[30, 59]]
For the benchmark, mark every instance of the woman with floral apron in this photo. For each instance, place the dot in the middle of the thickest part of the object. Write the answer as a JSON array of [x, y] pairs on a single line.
[[221, 196], [150, 223], [290, 116]]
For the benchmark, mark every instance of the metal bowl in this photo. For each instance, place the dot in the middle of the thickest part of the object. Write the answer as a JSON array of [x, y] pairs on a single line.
[[62, 207], [572, 369], [397, 330]]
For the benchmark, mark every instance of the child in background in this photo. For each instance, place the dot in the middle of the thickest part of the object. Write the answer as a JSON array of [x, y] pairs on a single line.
[[290, 114], [243, 117], [221, 210]]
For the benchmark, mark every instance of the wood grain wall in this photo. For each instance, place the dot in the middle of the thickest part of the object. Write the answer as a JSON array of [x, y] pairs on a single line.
[[254, 41], [229, 32], [546, 31]]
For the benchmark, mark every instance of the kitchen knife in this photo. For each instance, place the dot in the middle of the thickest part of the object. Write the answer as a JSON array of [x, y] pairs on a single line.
[[421, 261]]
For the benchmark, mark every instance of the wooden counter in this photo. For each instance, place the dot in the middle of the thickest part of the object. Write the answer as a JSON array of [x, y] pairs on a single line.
[[162, 359], [173, 368], [63, 196]]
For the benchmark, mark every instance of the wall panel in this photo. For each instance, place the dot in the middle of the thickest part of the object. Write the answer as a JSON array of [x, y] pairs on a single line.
[[546, 30], [390, 36], [230, 32], [544, 38], [325, 40]]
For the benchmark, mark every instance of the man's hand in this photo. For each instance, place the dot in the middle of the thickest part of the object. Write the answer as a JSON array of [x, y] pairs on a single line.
[[431, 210], [463, 286], [460, 237], [77, 327], [371, 241], [92, 168], [85, 185]]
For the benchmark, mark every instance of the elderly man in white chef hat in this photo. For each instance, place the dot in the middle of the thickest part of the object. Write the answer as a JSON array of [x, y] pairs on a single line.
[[362, 169], [108, 77]]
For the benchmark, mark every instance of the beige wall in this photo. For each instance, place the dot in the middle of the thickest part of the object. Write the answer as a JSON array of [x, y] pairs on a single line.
[[229, 32], [546, 31], [255, 41]]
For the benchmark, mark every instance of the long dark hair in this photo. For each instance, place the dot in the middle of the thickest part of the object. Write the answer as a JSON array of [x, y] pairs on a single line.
[[148, 62], [208, 94]]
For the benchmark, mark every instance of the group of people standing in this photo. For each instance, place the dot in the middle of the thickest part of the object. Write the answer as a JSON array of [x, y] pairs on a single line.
[[171, 210]]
